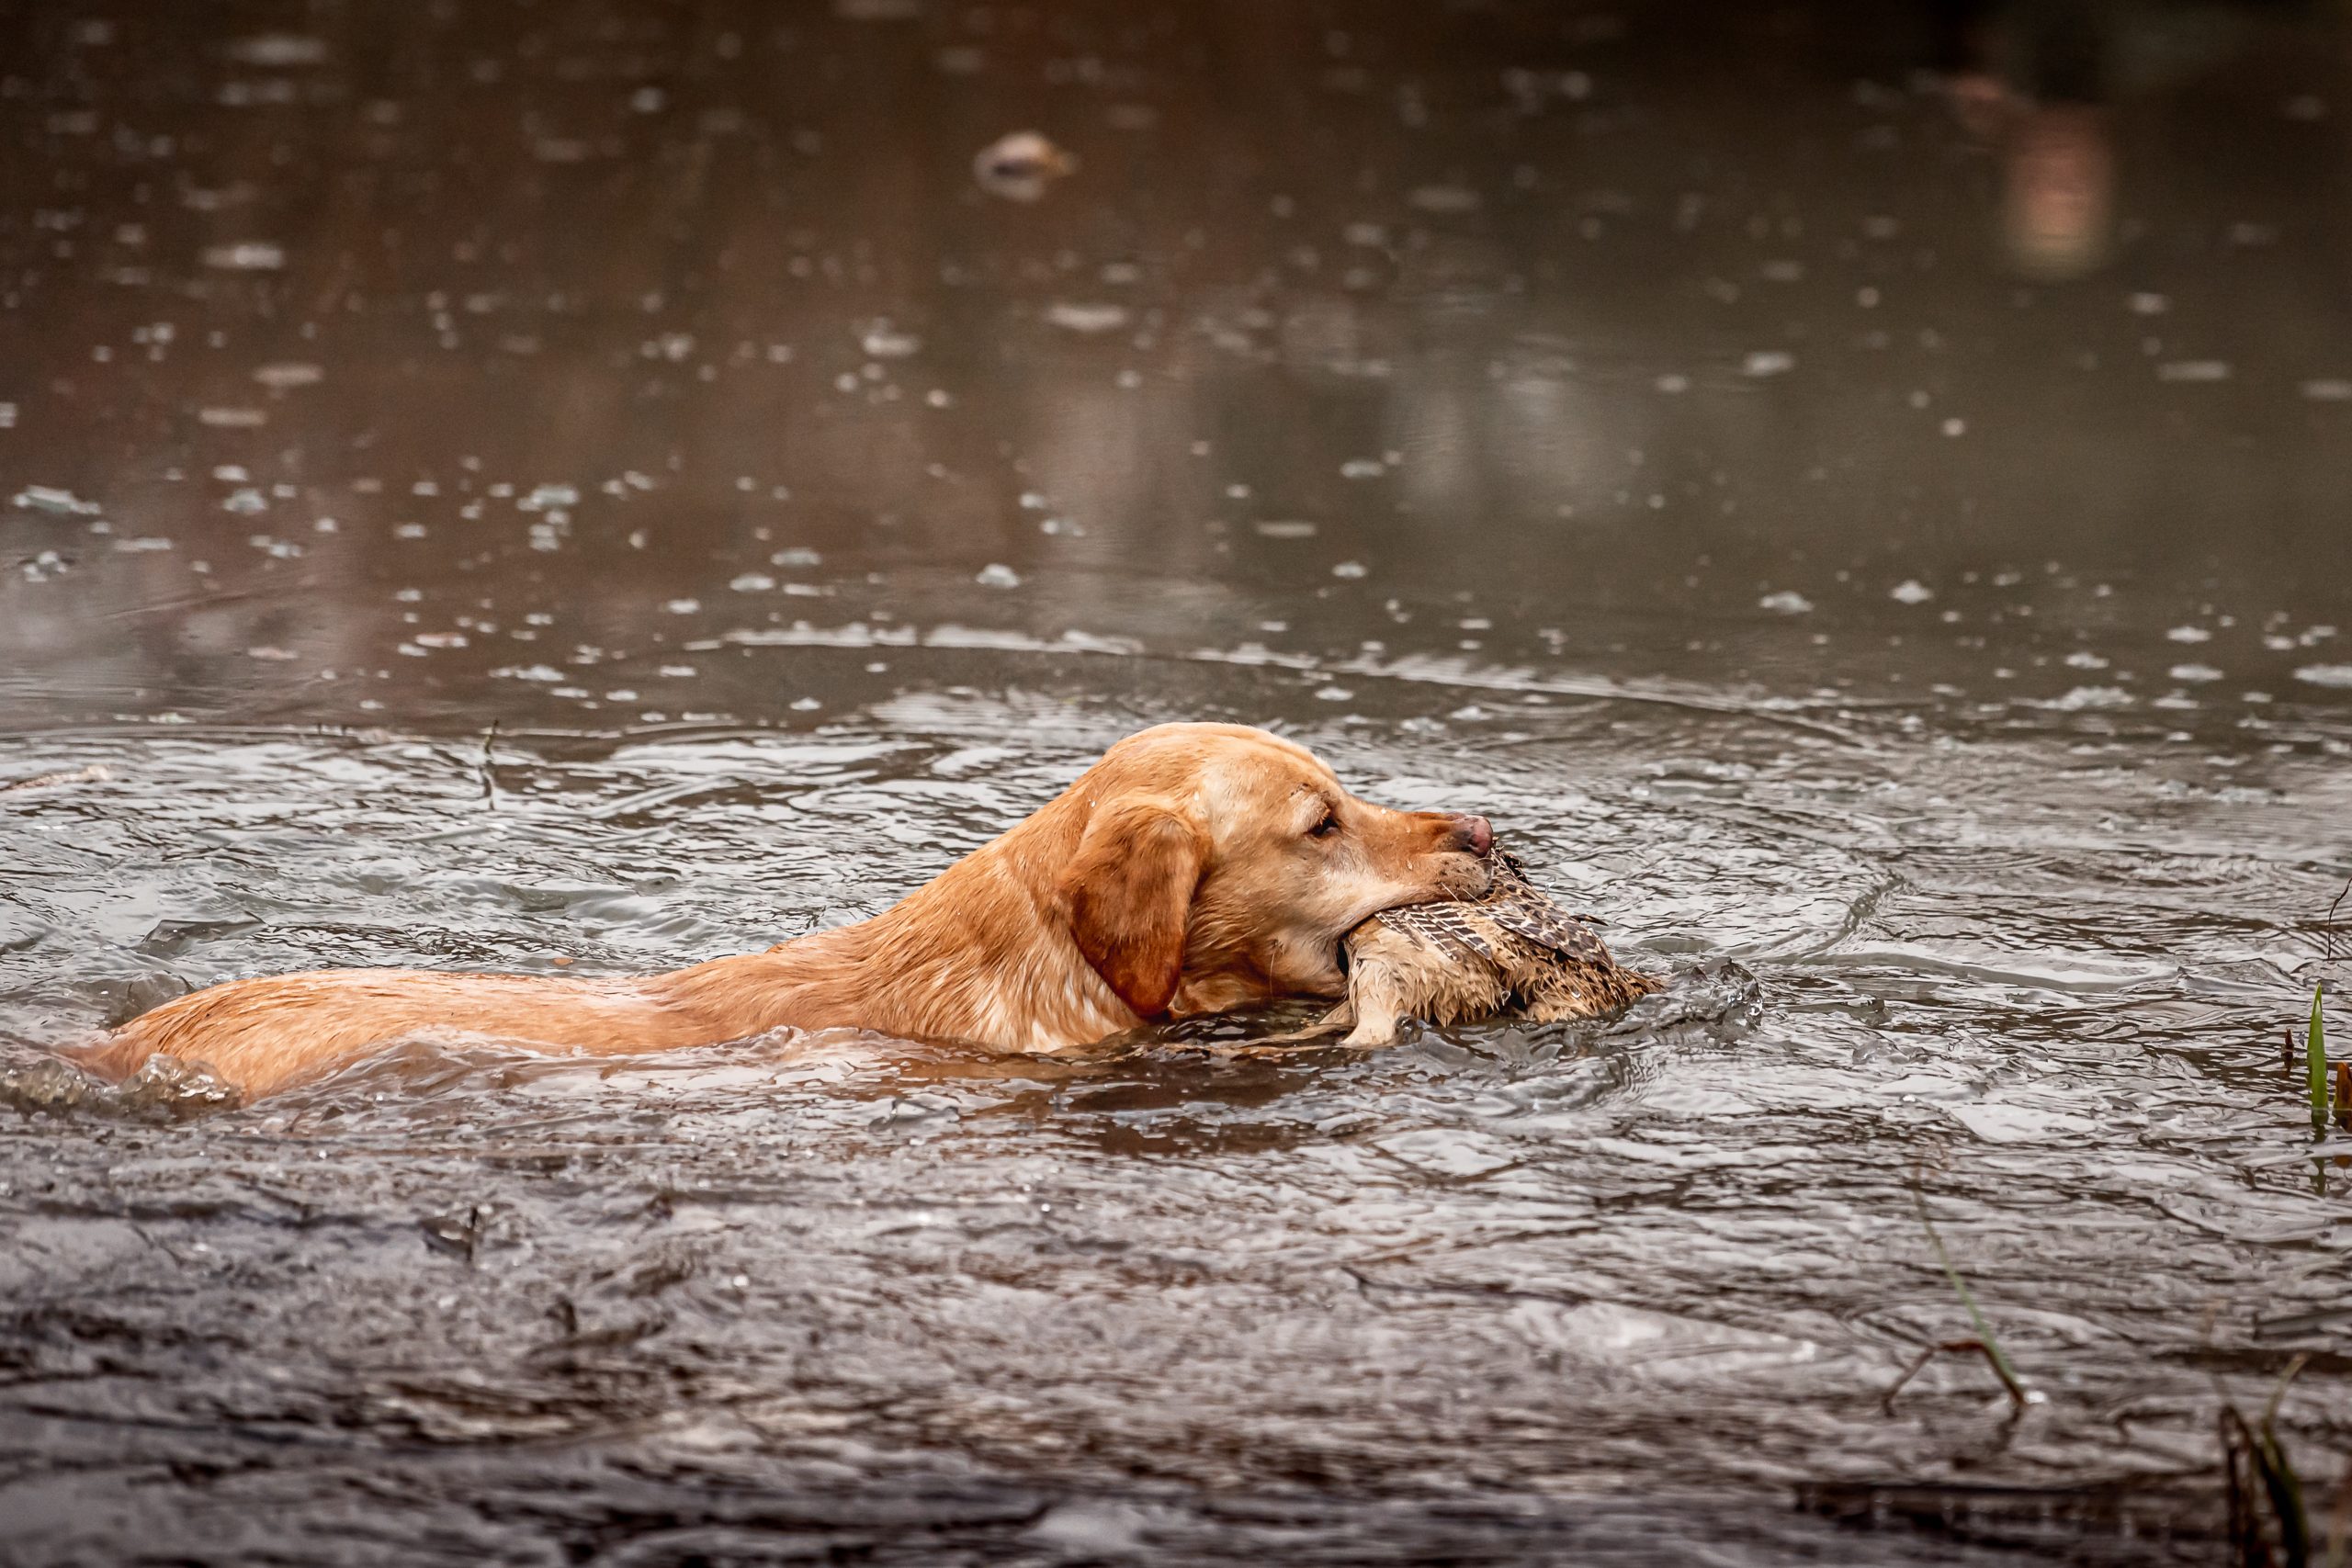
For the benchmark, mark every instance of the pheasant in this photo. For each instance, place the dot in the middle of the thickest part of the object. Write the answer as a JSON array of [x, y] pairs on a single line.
[[1514, 950]]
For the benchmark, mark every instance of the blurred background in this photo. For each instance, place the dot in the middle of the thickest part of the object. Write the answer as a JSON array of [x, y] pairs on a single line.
[[1856, 489], [346, 344]]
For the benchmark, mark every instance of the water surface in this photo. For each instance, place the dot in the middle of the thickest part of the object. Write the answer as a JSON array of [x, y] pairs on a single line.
[[600, 486]]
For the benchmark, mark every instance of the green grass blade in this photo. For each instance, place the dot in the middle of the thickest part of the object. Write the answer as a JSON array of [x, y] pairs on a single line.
[[1959, 1287], [2316, 1062]]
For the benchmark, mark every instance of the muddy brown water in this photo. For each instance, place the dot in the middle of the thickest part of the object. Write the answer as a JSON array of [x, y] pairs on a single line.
[[501, 484]]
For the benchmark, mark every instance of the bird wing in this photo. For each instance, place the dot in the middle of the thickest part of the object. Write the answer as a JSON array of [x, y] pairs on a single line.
[[1519, 907], [1512, 904], [1544, 923], [1441, 926]]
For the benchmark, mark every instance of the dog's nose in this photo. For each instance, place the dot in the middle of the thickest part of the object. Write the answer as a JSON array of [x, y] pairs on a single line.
[[1472, 834]]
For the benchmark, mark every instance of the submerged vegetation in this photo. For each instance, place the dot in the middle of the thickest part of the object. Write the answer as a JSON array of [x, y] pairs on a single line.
[[1985, 1344], [2270, 1521]]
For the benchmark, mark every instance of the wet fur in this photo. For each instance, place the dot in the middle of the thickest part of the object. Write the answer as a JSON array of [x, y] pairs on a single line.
[[1179, 874]]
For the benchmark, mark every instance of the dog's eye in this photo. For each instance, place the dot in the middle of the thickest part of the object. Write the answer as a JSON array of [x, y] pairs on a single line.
[[1325, 829]]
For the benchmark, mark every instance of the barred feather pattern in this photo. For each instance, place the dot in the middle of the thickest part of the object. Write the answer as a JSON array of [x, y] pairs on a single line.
[[1512, 903], [1463, 960]]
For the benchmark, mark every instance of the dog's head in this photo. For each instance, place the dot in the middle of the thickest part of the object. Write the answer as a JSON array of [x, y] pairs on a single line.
[[1215, 864]]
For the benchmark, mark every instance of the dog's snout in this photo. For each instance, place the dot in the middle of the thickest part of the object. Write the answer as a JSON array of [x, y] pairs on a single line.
[[1472, 834]]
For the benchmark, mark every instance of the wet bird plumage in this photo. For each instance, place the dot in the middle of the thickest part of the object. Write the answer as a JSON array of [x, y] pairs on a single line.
[[1458, 961]]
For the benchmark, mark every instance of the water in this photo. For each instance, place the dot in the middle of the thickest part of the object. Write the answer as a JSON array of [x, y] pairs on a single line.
[[591, 487]]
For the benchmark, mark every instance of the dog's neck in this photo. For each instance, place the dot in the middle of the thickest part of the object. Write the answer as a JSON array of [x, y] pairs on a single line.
[[980, 953]]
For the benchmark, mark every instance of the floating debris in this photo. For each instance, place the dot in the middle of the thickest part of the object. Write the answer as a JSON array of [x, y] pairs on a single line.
[[1020, 166], [96, 773]]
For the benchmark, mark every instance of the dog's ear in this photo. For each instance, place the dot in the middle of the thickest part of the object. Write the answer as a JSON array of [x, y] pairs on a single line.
[[1128, 894]]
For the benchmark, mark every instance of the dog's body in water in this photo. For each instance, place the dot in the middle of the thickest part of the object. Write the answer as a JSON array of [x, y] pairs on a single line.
[[1193, 869]]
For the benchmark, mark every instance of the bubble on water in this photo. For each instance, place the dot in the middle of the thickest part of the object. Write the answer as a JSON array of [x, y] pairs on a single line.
[[1768, 361], [2328, 389], [881, 341], [1285, 528], [2193, 370], [1350, 569], [278, 51], [2190, 634], [284, 377], [2085, 697], [540, 674], [2325, 674], [797, 555], [996, 574], [247, 501], [752, 583], [2149, 304], [1911, 590], [249, 256], [231, 418], [58, 502], [1787, 602], [1087, 319], [2196, 672], [1361, 468], [1444, 198], [2083, 659]]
